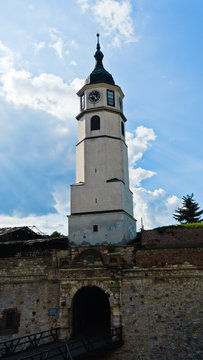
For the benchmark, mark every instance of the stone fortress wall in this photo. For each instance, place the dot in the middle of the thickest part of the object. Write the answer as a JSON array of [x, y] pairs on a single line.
[[155, 294]]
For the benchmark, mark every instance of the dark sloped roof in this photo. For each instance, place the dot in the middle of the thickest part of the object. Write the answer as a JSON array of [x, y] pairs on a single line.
[[33, 247], [19, 233]]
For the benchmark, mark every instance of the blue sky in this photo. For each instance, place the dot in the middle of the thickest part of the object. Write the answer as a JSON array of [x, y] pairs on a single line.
[[154, 51]]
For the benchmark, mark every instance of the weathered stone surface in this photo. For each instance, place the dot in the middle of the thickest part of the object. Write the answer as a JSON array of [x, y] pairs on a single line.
[[154, 294], [26, 286], [161, 314]]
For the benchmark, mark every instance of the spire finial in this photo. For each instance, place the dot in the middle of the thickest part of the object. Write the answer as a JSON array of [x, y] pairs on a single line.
[[98, 44], [99, 74]]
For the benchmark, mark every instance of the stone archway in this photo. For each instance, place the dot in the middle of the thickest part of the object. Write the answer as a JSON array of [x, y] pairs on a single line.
[[90, 312]]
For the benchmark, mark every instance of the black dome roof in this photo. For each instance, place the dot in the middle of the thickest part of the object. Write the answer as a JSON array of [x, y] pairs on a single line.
[[99, 74]]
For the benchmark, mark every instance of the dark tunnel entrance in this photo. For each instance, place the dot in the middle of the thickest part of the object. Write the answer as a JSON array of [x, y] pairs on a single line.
[[91, 312]]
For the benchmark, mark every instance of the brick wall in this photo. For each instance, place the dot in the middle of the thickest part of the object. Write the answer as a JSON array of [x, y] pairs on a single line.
[[162, 257], [172, 236]]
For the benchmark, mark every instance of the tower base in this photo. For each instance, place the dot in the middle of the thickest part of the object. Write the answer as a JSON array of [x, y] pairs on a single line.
[[115, 227]]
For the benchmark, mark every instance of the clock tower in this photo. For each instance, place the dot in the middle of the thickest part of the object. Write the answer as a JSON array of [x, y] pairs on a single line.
[[101, 201]]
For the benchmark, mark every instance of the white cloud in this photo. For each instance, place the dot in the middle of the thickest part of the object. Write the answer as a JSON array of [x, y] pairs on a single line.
[[46, 223], [45, 92], [39, 46], [77, 83], [58, 47], [154, 207], [7, 58], [138, 175], [114, 17], [138, 142], [84, 4], [58, 43], [62, 204], [73, 62]]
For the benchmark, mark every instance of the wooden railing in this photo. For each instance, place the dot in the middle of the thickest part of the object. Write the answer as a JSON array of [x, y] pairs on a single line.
[[28, 342]]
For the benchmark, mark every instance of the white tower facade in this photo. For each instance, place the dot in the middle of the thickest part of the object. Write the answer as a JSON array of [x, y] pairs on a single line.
[[101, 201]]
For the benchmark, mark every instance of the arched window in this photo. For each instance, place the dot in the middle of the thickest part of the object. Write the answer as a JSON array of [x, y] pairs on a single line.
[[95, 123], [122, 128]]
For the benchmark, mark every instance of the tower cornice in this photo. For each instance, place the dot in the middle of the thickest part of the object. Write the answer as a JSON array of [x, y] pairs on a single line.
[[101, 136], [101, 108]]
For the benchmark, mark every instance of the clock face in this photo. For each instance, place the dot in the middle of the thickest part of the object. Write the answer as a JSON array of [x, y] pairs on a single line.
[[94, 96]]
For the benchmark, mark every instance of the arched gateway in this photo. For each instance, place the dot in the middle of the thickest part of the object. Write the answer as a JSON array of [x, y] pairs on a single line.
[[91, 312]]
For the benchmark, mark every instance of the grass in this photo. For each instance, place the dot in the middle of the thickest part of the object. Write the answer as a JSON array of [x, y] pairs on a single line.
[[162, 229], [192, 225]]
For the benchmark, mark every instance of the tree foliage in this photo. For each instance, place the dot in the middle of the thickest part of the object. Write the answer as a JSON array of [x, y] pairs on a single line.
[[189, 211], [56, 234]]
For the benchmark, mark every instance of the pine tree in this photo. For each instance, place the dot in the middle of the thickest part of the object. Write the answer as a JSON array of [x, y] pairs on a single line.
[[188, 213]]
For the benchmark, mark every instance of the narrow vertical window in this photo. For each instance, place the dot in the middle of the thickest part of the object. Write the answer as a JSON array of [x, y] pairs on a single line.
[[122, 128], [110, 98], [10, 319], [121, 103], [82, 101], [95, 228], [95, 123]]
